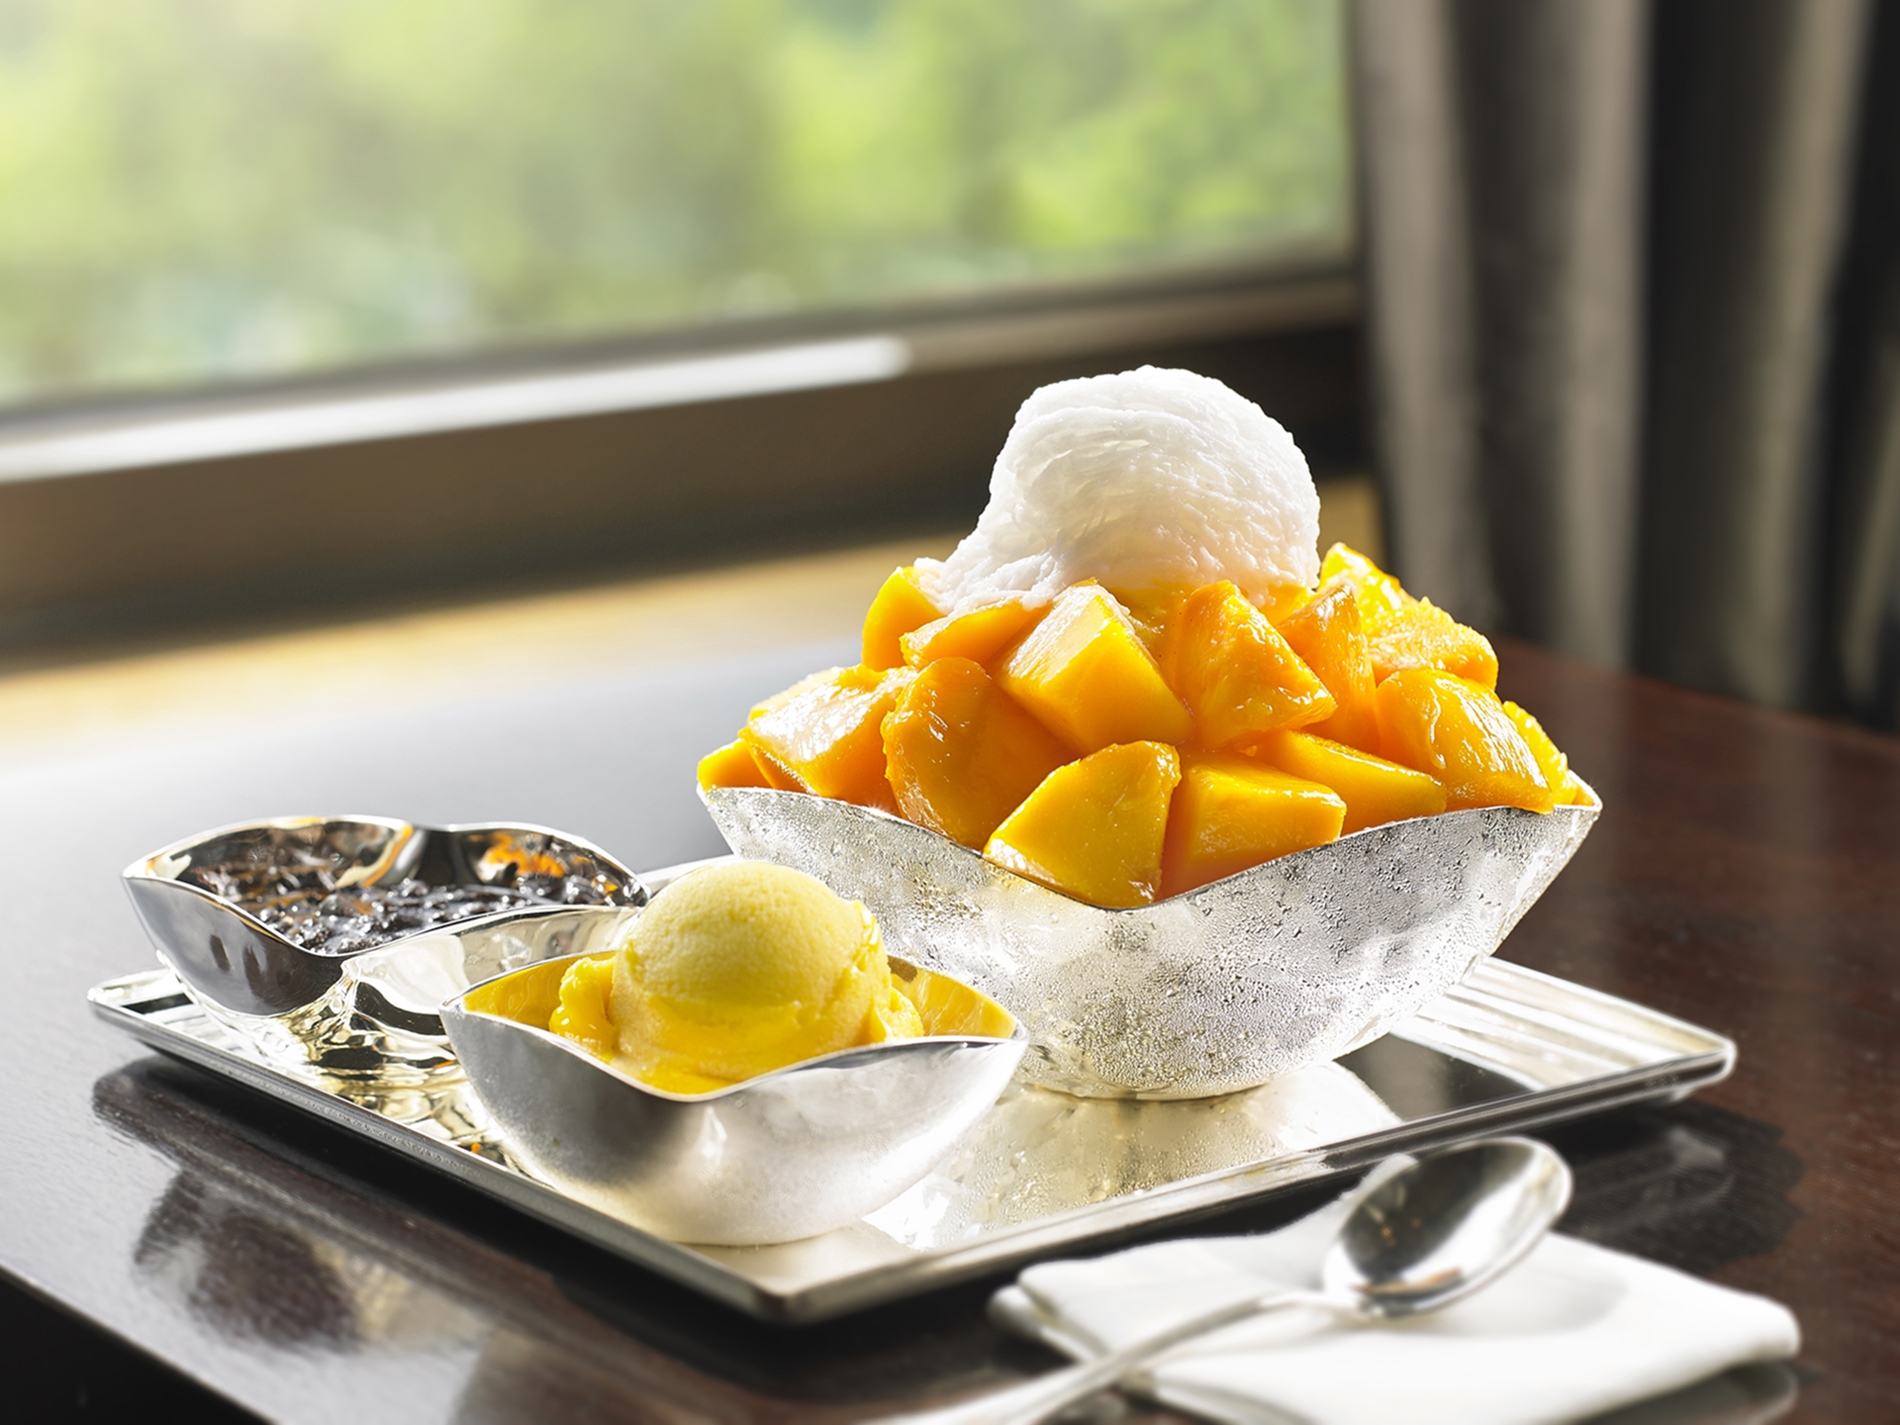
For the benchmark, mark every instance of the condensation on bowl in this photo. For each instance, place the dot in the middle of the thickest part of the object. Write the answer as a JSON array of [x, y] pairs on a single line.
[[1292, 963]]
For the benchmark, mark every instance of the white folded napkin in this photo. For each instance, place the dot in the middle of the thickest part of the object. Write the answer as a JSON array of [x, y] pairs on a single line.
[[1574, 1330]]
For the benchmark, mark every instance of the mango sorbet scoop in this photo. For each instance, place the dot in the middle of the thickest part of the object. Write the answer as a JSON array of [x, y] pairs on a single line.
[[733, 971]]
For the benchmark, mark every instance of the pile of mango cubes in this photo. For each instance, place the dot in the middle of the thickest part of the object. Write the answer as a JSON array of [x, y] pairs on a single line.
[[1124, 752]]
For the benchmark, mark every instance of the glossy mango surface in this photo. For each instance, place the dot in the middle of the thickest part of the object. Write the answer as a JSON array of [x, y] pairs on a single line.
[[1086, 675], [1404, 632], [1380, 598], [900, 606], [1551, 762], [960, 754], [978, 635], [1327, 634], [785, 695], [1235, 671], [827, 737], [1094, 828], [1425, 636], [731, 766], [1374, 789], [1457, 731], [1232, 812]]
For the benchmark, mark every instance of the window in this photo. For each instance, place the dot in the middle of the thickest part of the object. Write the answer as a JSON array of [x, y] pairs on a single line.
[[195, 190], [307, 305]]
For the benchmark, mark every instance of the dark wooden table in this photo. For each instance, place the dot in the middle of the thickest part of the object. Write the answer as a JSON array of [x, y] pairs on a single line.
[[1745, 875]]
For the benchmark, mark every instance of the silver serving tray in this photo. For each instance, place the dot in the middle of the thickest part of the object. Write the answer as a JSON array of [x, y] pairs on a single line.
[[1043, 1173]]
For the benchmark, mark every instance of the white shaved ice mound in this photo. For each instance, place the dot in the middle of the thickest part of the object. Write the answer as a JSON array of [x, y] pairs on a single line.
[[1150, 478]]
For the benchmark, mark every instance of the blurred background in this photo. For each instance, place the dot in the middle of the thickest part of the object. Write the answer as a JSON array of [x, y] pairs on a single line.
[[1586, 312], [201, 190]]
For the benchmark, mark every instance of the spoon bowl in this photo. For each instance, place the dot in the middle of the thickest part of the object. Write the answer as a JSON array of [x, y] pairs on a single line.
[[1423, 1232]]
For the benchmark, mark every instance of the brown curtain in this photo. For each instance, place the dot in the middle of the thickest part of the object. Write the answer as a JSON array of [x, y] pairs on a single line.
[[1632, 285]]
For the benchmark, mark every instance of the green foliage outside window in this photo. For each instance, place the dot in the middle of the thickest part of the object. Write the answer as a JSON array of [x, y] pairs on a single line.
[[192, 189]]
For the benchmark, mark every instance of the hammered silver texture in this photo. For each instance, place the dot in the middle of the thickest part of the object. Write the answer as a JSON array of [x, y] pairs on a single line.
[[790, 1154], [1292, 963]]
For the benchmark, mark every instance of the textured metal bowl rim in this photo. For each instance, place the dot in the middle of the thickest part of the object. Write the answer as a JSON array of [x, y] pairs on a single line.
[[1594, 804], [836, 1058], [140, 869], [1300, 958]]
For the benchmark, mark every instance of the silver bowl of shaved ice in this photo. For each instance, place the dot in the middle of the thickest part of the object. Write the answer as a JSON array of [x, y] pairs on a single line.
[[1291, 963], [1146, 481]]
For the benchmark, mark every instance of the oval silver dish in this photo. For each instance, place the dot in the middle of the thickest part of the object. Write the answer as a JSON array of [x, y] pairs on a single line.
[[1291, 963], [368, 1012], [790, 1154]]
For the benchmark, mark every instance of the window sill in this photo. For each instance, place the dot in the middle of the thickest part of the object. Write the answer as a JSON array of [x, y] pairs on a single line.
[[337, 498]]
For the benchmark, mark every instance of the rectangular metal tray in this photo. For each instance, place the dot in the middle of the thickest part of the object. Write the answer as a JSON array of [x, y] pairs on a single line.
[[1507, 1050]]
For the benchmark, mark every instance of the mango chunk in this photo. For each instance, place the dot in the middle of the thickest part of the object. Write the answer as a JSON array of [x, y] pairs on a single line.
[[960, 754], [804, 685], [1232, 812], [1380, 597], [1236, 673], [1094, 828], [1572, 790], [828, 739], [1086, 675], [731, 766], [1457, 731], [1404, 632], [1551, 762], [1375, 791], [1153, 611], [776, 776], [1425, 636], [900, 606], [978, 635], [1327, 634], [1156, 608]]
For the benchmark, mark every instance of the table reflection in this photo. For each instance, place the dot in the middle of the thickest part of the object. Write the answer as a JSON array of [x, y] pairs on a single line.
[[259, 1252], [277, 1229], [1693, 1186], [247, 1275], [367, 1255]]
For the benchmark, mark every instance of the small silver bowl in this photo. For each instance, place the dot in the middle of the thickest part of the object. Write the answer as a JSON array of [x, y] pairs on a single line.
[[365, 1010], [1291, 963], [790, 1154]]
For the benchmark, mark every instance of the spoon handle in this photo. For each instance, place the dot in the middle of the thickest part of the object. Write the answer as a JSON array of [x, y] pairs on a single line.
[[1044, 1396]]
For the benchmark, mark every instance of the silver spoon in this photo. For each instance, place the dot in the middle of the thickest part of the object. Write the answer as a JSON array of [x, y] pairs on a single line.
[[1420, 1234]]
